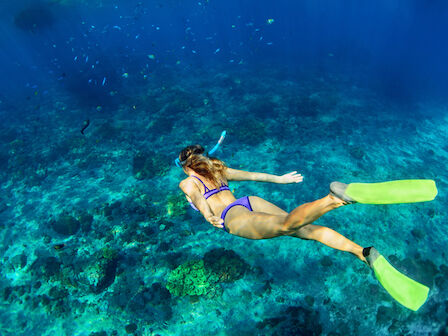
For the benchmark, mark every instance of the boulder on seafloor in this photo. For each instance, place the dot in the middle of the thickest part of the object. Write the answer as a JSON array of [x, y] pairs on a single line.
[[293, 321], [100, 272], [66, 225], [226, 264]]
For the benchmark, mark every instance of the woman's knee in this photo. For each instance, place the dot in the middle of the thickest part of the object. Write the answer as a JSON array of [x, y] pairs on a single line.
[[307, 232]]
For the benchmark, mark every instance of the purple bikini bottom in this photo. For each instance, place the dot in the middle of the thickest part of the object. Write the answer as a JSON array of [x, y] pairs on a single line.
[[244, 201]]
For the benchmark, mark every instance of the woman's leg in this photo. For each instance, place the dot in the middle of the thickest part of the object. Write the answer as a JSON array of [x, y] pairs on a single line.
[[309, 212], [275, 222], [330, 238]]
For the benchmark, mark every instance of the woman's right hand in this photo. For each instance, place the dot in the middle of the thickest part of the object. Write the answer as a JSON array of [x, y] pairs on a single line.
[[216, 221]]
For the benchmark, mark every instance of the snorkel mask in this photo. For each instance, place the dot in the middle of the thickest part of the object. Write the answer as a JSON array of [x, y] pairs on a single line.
[[214, 149]]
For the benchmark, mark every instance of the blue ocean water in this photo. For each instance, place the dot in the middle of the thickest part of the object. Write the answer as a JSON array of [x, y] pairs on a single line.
[[97, 99]]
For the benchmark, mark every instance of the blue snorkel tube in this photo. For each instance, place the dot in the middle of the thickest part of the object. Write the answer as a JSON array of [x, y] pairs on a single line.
[[214, 149]]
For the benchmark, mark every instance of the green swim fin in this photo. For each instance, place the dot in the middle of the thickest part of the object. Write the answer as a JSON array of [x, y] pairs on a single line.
[[406, 291], [401, 191]]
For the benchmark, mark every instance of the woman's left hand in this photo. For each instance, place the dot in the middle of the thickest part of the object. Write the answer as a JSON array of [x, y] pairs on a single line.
[[291, 177], [216, 221]]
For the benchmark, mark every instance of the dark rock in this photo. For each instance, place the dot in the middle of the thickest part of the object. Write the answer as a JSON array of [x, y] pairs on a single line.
[[228, 265], [443, 331], [57, 293], [7, 292], [106, 271], [356, 152], [19, 261], [98, 333], [295, 321], [51, 266], [66, 225], [86, 221], [423, 271], [309, 300], [172, 259], [153, 303], [384, 315], [163, 247], [326, 261], [131, 328], [417, 233]]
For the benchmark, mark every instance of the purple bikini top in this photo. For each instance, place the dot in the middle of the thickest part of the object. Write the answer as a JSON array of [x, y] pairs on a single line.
[[209, 192]]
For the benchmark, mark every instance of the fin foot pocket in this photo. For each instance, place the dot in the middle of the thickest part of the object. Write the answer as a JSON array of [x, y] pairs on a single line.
[[337, 189]]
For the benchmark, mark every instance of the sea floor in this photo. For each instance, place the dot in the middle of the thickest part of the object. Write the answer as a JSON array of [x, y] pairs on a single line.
[[93, 225]]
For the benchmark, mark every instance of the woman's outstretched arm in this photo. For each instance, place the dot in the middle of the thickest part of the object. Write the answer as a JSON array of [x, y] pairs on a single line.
[[241, 175]]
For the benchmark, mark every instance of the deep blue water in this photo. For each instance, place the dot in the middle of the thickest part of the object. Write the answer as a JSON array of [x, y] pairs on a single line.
[[93, 225]]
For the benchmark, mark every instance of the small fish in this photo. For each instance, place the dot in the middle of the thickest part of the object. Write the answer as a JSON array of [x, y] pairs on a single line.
[[125, 75], [85, 125], [87, 59], [152, 56], [76, 57], [117, 27], [270, 21], [58, 246], [104, 81], [217, 50]]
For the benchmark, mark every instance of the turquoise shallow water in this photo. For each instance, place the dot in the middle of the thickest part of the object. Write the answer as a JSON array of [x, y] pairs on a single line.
[[111, 197]]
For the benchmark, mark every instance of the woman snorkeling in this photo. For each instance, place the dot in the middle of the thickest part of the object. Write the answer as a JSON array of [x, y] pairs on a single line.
[[252, 217]]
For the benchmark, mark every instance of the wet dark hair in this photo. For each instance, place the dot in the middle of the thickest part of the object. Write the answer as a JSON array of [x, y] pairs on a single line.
[[209, 167], [189, 150]]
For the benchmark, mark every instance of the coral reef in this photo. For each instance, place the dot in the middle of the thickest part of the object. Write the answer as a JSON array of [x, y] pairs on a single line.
[[176, 205], [202, 277], [192, 278]]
